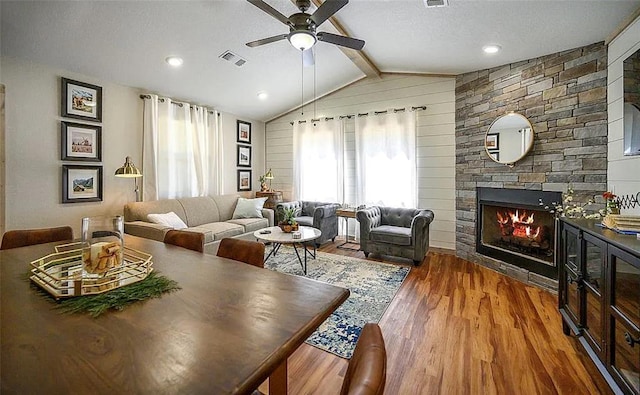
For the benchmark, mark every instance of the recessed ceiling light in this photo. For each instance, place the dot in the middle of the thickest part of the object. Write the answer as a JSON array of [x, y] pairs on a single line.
[[174, 61], [491, 48], [262, 95]]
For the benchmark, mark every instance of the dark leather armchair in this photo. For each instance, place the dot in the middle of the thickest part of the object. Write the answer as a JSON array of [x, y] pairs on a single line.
[[319, 215], [402, 232]]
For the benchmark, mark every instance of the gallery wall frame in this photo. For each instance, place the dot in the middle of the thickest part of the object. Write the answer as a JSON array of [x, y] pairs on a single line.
[[244, 132], [244, 156], [81, 100], [493, 141], [244, 180], [80, 142], [81, 183]]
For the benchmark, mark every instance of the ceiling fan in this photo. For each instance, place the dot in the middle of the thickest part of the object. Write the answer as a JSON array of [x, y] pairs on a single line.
[[302, 27]]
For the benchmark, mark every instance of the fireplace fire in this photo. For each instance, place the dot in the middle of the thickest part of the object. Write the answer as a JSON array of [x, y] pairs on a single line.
[[512, 227], [523, 231]]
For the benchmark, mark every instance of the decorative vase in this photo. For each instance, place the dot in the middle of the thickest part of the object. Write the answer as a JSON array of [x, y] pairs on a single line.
[[102, 245]]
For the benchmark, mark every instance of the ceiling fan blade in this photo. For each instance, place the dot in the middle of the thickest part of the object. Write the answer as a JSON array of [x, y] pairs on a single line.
[[307, 57], [271, 11], [266, 40], [343, 41], [326, 10]]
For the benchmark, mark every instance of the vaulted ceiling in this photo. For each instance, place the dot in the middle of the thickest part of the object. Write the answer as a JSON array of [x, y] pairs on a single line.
[[126, 42]]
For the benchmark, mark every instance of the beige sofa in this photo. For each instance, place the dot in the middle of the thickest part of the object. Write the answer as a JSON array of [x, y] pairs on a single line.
[[210, 215]]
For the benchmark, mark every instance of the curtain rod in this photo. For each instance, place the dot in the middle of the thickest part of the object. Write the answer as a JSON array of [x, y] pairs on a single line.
[[161, 99], [363, 114]]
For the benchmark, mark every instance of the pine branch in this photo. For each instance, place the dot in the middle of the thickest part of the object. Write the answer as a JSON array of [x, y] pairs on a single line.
[[151, 287]]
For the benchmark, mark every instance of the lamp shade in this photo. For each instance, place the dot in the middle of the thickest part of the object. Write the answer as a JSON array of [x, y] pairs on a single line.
[[268, 176], [302, 40], [128, 170]]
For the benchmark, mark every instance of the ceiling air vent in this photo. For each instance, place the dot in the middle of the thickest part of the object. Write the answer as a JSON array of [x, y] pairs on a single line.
[[232, 57], [436, 3]]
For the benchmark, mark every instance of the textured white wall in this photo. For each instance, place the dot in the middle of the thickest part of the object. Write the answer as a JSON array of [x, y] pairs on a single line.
[[435, 139], [32, 146], [623, 171]]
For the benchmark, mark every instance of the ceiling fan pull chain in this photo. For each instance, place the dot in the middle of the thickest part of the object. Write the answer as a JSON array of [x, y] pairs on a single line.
[[302, 82], [314, 80]]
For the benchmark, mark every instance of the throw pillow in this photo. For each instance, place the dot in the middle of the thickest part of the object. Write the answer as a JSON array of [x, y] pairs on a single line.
[[249, 208], [169, 219]]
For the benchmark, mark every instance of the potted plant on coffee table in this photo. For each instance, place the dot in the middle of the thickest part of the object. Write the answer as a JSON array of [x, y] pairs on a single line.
[[288, 223]]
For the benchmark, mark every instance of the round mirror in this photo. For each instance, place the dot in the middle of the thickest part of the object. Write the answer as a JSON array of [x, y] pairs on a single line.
[[509, 138]]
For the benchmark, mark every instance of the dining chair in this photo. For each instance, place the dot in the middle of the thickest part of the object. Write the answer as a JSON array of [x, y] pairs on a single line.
[[247, 251], [182, 238], [27, 237], [367, 370]]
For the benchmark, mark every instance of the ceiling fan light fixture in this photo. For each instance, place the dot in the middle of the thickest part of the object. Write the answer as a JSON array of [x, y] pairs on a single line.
[[302, 40]]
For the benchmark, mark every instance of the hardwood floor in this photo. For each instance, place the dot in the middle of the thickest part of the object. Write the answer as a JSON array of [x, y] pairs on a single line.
[[458, 328]]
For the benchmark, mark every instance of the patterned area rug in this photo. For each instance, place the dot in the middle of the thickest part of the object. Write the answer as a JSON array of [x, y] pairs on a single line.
[[372, 284]]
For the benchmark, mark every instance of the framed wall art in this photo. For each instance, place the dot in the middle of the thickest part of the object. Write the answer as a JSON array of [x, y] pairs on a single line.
[[493, 141], [244, 132], [81, 184], [244, 180], [81, 100], [81, 142], [244, 156]]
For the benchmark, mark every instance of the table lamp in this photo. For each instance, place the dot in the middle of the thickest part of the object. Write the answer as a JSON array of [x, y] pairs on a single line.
[[269, 176], [128, 170]]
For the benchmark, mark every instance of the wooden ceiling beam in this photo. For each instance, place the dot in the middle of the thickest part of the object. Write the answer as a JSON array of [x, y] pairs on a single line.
[[359, 58]]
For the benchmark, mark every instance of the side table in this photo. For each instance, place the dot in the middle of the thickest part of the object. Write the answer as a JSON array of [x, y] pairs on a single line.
[[347, 213], [274, 197]]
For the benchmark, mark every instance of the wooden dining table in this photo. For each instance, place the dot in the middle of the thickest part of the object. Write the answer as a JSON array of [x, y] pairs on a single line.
[[229, 327]]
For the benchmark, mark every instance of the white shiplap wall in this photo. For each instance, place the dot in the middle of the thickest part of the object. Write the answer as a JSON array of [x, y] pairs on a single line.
[[435, 139], [622, 173]]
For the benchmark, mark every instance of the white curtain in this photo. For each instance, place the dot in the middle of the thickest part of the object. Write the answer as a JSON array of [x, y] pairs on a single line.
[[181, 150], [318, 157], [386, 159]]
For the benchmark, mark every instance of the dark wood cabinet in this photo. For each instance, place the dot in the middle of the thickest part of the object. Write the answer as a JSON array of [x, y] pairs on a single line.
[[599, 298]]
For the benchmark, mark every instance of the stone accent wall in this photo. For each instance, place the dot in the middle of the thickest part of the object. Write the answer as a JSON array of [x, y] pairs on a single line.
[[564, 96]]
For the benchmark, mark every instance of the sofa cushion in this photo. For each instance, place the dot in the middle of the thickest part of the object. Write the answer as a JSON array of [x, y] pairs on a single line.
[[138, 211], [226, 205], [200, 210], [305, 221], [219, 230], [250, 224], [169, 219], [249, 208], [391, 235]]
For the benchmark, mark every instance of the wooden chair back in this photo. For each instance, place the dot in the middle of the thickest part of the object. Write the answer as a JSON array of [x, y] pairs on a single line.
[[27, 237], [183, 238], [247, 251], [367, 370]]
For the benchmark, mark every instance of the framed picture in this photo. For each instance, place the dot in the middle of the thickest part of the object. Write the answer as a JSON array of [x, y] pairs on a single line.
[[244, 156], [495, 155], [244, 132], [493, 141], [244, 180], [81, 184], [81, 100], [81, 142]]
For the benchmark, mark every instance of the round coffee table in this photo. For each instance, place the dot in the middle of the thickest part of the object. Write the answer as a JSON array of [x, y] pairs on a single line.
[[276, 236]]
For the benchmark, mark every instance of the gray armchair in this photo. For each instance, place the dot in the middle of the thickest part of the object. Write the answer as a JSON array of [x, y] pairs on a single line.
[[319, 215], [402, 232]]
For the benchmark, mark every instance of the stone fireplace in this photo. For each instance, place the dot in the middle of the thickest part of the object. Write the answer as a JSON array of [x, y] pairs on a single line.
[[514, 228], [564, 96]]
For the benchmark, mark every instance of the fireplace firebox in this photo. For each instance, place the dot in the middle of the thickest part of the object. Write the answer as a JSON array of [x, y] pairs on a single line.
[[513, 227]]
